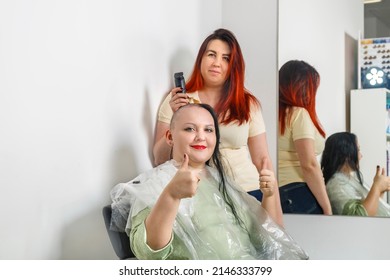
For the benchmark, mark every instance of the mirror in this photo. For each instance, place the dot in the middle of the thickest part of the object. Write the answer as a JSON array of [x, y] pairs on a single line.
[[325, 34]]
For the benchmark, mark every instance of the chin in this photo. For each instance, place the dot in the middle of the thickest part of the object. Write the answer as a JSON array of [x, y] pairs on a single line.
[[199, 160]]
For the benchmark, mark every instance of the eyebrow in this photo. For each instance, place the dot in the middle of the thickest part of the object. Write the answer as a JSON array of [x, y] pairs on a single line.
[[211, 50], [190, 123]]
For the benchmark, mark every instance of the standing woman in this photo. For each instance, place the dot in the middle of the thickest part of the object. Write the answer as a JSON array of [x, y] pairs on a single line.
[[301, 139], [218, 80]]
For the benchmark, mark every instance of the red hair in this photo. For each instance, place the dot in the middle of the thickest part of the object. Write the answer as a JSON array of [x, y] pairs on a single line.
[[298, 84], [236, 100]]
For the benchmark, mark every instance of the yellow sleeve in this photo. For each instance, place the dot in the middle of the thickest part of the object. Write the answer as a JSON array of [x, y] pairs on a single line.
[[165, 112], [256, 122], [302, 125]]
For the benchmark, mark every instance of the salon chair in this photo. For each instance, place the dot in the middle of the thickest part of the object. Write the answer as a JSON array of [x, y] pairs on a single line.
[[119, 240]]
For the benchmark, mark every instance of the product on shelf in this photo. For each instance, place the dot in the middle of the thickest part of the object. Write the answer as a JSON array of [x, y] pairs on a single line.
[[375, 53]]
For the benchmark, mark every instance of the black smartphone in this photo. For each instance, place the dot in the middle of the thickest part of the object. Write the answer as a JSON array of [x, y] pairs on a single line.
[[180, 82]]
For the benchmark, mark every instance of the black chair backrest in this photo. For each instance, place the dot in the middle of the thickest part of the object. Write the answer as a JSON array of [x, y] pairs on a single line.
[[119, 240]]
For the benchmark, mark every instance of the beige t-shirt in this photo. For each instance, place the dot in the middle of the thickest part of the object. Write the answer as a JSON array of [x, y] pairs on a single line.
[[301, 127], [234, 143]]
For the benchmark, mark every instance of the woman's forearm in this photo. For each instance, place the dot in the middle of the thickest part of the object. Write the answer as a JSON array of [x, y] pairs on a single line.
[[271, 203], [312, 173], [371, 202], [273, 207], [258, 149], [161, 151], [159, 223], [314, 179]]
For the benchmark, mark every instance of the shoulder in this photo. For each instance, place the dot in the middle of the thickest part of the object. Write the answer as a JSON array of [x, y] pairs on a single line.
[[300, 112], [156, 176], [300, 118], [338, 179], [255, 108]]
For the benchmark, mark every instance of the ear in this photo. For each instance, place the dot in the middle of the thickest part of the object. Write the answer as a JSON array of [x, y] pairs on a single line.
[[168, 138]]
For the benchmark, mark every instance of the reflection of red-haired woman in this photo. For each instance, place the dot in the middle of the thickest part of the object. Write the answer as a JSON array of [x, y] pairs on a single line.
[[218, 80], [301, 140]]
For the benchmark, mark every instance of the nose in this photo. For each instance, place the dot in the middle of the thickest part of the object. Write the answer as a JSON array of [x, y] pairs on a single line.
[[200, 135], [217, 61]]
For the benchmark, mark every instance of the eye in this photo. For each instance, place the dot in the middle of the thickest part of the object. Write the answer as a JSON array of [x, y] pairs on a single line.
[[211, 54], [209, 130], [226, 58], [189, 129]]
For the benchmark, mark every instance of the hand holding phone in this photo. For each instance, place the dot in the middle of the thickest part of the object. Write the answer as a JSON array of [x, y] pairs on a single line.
[[180, 82]]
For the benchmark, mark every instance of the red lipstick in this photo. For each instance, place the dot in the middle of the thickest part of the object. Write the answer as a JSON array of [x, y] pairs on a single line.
[[199, 147]]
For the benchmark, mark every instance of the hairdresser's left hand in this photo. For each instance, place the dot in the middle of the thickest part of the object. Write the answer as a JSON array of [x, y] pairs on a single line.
[[267, 182]]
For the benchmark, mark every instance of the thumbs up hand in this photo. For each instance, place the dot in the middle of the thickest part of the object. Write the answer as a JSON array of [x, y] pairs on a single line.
[[185, 182], [267, 182], [381, 181]]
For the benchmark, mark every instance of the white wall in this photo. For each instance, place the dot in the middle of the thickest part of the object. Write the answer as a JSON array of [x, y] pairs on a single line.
[[80, 85], [256, 32], [325, 33], [339, 237]]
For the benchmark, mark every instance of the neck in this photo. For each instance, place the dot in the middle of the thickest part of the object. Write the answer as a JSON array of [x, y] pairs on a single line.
[[197, 168], [210, 95], [346, 169], [191, 165]]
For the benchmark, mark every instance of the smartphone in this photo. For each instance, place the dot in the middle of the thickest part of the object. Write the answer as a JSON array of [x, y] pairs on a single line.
[[180, 82]]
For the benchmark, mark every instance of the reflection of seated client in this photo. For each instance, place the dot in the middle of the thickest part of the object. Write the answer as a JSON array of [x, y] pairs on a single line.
[[185, 209], [346, 190]]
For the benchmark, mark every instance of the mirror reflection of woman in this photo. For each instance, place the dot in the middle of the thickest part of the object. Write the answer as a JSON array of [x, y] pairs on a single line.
[[218, 80], [348, 193], [300, 141]]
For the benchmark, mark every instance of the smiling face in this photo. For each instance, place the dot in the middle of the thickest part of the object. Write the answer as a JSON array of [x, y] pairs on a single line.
[[192, 132], [215, 63]]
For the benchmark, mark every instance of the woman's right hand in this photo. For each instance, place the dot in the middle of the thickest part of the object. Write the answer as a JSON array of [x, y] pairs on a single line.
[[185, 182], [178, 99], [381, 181], [267, 182]]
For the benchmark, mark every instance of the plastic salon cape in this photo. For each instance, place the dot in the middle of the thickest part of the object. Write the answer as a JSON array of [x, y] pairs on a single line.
[[346, 195], [204, 223]]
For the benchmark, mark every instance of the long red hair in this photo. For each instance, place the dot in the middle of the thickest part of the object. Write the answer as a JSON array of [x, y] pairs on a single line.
[[236, 99], [298, 84]]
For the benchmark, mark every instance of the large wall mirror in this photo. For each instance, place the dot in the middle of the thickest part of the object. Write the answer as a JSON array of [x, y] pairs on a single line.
[[325, 34]]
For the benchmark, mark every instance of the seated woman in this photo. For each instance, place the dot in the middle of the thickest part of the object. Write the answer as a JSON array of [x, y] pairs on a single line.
[[347, 192], [185, 209]]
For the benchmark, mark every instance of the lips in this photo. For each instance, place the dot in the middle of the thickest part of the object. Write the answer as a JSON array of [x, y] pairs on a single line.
[[215, 72], [199, 147]]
